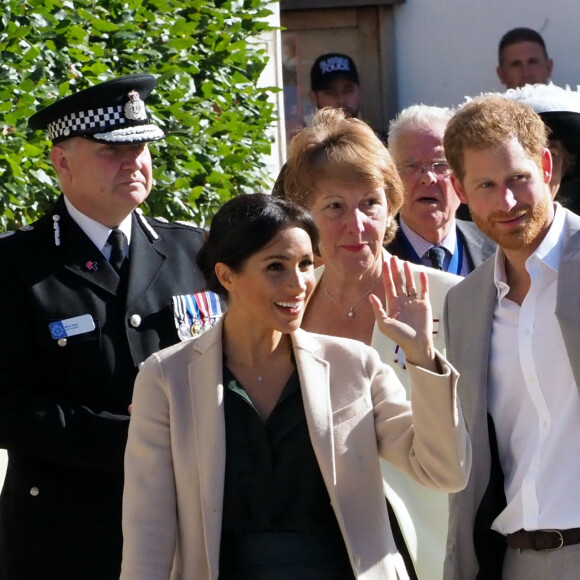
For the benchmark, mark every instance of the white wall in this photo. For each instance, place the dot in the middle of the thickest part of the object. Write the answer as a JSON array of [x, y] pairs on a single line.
[[447, 49], [272, 77], [3, 465]]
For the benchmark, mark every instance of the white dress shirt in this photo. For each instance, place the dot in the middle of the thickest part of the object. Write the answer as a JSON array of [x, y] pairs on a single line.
[[533, 398], [97, 232]]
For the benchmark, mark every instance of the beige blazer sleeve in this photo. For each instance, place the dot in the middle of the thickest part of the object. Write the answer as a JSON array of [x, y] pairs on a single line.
[[149, 502], [434, 449]]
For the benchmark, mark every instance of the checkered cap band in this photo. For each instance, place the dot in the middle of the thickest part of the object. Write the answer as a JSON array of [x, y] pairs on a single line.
[[86, 122]]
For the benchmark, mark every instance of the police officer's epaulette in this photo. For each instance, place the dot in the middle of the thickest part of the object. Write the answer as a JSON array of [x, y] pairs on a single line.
[[187, 224], [9, 233], [151, 233], [154, 226], [165, 221]]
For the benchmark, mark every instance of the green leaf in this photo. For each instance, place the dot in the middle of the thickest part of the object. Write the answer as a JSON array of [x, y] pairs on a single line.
[[206, 57]]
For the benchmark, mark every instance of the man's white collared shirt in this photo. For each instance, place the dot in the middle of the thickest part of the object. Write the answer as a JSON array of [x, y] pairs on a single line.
[[97, 232]]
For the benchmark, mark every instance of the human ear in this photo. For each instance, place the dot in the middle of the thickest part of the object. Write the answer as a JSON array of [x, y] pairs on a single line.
[[225, 275], [500, 75], [60, 158], [547, 165], [459, 189], [312, 98]]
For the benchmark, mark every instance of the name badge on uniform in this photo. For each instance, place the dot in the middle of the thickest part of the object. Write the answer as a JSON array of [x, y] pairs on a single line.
[[71, 326], [195, 313]]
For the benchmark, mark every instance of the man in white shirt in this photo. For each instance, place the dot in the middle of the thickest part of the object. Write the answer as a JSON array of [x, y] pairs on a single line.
[[513, 332]]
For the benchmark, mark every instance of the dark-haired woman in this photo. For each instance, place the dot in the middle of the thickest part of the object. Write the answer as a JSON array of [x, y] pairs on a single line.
[[253, 450]]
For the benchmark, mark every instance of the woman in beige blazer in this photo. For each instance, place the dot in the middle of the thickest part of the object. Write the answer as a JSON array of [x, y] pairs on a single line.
[[324, 408]]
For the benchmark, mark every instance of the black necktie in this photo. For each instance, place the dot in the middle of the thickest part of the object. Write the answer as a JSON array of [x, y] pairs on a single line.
[[437, 256], [117, 241]]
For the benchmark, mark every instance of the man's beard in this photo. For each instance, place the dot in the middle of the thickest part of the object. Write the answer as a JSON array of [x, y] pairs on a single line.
[[521, 236]]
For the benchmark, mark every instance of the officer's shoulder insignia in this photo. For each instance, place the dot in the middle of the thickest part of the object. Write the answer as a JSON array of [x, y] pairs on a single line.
[[187, 224], [6, 234], [161, 219], [195, 313], [153, 235], [26, 228]]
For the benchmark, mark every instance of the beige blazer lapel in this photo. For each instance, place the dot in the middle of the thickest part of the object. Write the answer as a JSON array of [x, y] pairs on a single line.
[[314, 377], [205, 373]]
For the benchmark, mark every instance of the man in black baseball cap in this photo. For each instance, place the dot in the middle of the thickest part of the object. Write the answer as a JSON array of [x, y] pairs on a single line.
[[334, 82], [86, 295]]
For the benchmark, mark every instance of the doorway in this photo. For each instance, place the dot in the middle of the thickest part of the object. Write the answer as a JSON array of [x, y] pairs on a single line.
[[365, 33]]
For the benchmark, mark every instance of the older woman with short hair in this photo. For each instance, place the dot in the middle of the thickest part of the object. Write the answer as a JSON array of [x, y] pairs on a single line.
[[343, 174]]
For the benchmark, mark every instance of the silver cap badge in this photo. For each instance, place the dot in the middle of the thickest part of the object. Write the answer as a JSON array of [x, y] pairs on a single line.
[[135, 107]]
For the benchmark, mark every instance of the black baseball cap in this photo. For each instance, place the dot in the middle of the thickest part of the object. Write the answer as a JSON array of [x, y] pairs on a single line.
[[110, 112], [330, 66]]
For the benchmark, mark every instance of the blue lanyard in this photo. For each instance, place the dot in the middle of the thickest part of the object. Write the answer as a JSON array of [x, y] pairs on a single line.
[[456, 259]]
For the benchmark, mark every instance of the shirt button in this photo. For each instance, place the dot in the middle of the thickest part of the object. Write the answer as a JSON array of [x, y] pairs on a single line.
[[62, 342], [34, 491], [356, 561], [135, 320]]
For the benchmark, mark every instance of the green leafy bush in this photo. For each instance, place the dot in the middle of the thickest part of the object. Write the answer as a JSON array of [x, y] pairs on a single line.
[[207, 61]]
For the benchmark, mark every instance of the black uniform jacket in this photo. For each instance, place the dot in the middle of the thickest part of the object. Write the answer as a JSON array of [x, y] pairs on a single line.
[[64, 402], [478, 247]]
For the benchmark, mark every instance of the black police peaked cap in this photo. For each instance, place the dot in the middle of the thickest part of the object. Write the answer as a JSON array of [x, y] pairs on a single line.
[[110, 112]]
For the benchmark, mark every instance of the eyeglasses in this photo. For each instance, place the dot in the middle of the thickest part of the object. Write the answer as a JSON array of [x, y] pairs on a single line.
[[439, 168]]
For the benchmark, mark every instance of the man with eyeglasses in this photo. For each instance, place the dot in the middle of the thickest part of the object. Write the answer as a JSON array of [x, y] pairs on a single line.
[[429, 232]]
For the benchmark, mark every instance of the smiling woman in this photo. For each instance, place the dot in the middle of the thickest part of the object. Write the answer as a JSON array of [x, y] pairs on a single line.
[[253, 450]]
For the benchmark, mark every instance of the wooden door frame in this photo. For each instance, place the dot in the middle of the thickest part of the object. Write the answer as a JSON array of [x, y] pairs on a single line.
[[375, 20]]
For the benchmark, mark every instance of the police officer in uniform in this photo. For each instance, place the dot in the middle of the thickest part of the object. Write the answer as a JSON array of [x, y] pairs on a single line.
[[86, 296]]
